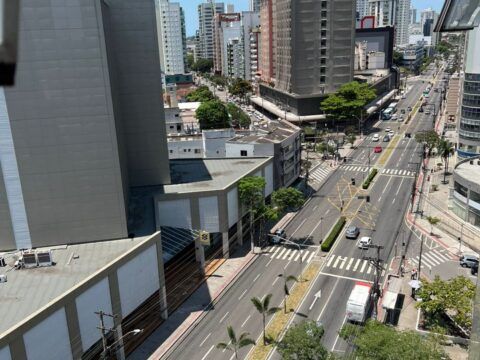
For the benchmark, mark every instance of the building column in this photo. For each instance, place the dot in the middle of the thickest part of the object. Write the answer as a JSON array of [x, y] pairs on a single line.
[[162, 291], [240, 232], [226, 251], [199, 253]]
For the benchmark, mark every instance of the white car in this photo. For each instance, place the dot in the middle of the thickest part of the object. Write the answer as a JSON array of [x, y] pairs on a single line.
[[391, 134], [388, 130], [376, 138], [364, 242], [394, 117]]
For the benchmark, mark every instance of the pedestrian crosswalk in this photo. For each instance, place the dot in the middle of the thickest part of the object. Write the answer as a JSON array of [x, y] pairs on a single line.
[[319, 174], [433, 258], [398, 172], [347, 263], [289, 254]]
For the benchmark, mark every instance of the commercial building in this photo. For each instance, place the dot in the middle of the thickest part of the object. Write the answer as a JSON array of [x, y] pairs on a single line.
[[413, 15], [172, 40], [255, 5], [83, 123], [206, 29], [304, 66], [469, 130], [227, 27], [466, 190], [427, 14], [412, 56], [362, 9], [392, 13]]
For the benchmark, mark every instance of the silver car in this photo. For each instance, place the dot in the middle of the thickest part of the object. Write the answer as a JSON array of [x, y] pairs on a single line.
[[352, 232]]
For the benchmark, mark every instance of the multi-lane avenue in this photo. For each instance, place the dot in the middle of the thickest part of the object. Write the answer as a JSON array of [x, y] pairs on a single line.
[[381, 218]]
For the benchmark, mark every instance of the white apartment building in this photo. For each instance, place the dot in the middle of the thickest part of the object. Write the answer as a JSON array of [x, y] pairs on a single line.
[[171, 37], [250, 24], [362, 9], [205, 34], [427, 14], [255, 5], [392, 13]]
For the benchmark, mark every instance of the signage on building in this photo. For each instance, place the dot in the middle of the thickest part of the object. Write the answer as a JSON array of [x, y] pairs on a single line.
[[204, 238], [229, 17]]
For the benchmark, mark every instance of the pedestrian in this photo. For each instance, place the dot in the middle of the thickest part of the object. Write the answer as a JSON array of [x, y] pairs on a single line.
[[414, 274], [402, 270]]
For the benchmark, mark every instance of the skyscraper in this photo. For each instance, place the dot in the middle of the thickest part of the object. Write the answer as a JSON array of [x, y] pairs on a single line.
[[413, 15], [171, 37], [392, 13], [205, 36], [362, 9], [312, 47], [426, 14], [255, 5], [83, 123]]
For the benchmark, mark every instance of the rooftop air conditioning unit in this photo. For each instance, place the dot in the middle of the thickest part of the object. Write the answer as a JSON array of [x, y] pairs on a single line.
[[45, 258], [3, 278], [3, 263], [29, 260]]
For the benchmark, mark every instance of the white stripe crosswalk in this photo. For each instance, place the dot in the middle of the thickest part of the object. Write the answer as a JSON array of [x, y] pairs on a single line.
[[398, 172], [319, 174], [433, 258], [288, 254]]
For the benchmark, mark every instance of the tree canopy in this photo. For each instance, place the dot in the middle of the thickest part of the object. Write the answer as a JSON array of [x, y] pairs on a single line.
[[250, 190], [212, 115], [240, 87], [349, 101], [238, 116], [381, 342], [397, 58], [287, 199], [453, 296], [430, 138], [201, 94], [303, 342], [203, 65]]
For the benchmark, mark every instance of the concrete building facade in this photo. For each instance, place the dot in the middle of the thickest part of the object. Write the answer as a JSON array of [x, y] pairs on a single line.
[[392, 13], [466, 190], [206, 29], [82, 123], [469, 129], [171, 37]]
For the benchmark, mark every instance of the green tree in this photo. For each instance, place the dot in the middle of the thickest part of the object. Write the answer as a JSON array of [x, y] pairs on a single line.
[[203, 65], [263, 214], [250, 191], [287, 199], [212, 115], [429, 138], [201, 94], [219, 80], [325, 148], [240, 88], [351, 138], [303, 342], [263, 307], [235, 343], [238, 116], [454, 296], [432, 220], [286, 290], [349, 102], [445, 150], [397, 58], [190, 61], [381, 342]]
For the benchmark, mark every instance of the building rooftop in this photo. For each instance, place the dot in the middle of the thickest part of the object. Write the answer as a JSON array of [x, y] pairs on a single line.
[[28, 290], [470, 172], [267, 132], [193, 175]]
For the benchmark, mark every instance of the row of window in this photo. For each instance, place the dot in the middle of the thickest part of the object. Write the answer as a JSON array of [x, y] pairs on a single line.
[[196, 151], [471, 87], [472, 77], [471, 100], [470, 127], [469, 134], [471, 112]]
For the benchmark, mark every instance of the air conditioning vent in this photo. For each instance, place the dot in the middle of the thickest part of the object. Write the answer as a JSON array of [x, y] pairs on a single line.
[[45, 258], [3, 278], [2, 262], [29, 260]]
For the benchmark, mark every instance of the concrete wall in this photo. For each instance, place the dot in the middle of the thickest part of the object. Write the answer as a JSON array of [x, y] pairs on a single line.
[[234, 149]]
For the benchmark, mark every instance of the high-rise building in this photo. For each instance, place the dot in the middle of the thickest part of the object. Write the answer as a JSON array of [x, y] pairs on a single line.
[[83, 123], [255, 5], [469, 132], [205, 36], [362, 9], [427, 14], [428, 27], [250, 22], [171, 37], [413, 15], [309, 50], [392, 13]]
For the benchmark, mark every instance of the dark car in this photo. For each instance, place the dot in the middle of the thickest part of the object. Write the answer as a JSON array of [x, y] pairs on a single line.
[[278, 236], [402, 111], [352, 232], [474, 269], [386, 138], [409, 108]]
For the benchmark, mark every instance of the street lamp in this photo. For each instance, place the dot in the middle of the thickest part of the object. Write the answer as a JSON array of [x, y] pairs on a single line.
[[107, 349]]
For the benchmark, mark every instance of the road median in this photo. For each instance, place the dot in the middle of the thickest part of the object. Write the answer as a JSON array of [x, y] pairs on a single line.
[[388, 151], [333, 235]]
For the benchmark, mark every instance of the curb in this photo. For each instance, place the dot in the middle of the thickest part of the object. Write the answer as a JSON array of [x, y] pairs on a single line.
[[165, 354]]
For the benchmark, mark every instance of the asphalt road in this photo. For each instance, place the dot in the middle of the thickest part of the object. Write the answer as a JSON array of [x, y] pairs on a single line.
[[381, 219]]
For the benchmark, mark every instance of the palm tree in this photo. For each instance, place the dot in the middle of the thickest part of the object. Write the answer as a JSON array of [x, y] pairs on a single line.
[[263, 307], [286, 290], [445, 149], [432, 220], [235, 344]]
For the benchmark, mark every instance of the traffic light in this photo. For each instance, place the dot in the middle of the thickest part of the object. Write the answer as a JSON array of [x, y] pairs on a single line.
[[367, 198], [353, 181]]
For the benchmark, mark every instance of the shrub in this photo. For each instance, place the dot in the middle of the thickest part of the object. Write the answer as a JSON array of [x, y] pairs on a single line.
[[369, 179], [328, 243]]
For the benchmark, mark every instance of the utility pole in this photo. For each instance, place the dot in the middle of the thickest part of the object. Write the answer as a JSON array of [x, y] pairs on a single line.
[[377, 263], [420, 258], [104, 331]]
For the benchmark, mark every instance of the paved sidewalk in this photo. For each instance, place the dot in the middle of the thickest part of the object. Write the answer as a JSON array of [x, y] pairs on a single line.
[[187, 316]]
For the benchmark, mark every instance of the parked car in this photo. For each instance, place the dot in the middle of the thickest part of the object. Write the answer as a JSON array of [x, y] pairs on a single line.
[[468, 260], [376, 137], [352, 232], [364, 242], [278, 236], [394, 117], [377, 149]]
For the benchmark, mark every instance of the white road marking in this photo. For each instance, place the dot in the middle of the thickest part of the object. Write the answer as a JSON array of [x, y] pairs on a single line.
[[432, 259], [330, 260], [336, 262], [349, 264], [227, 344], [393, 200], [342, 263], [328, 299], [363, 265], [294, 252], [256, 278], [286, 254], [356, 264], [305, 254], [281, 253], [248, 317], [208, 352], [243, 293], [369, 269], [338, 336], [276, 250], [399, 187], [311, 257], [297, 257], [268, 263], [224, 316], [203, 342]]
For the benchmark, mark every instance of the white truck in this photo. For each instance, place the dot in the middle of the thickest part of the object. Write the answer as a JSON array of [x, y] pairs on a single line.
[[358, 303]]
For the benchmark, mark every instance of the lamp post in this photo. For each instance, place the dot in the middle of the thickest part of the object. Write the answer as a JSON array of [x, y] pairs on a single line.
[[107, 349]]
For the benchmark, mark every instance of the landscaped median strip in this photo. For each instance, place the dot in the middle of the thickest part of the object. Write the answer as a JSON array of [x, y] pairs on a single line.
[[280, 320], [332, 236], [369, 179], [388, 151]]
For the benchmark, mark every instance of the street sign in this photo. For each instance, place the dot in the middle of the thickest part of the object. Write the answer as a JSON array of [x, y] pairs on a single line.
[[204, 238]]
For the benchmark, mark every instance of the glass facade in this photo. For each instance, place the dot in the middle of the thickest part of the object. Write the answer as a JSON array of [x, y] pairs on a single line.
[[469, 130]]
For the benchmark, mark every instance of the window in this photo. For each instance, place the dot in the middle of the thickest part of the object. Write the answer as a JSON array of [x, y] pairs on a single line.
[[197, 151], [171, 151], [243, 153], [172, 127], [189, 150], [184, 150], [179, 127]]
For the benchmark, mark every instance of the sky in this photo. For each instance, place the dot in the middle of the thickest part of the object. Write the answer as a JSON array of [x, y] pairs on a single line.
[[191, 15]]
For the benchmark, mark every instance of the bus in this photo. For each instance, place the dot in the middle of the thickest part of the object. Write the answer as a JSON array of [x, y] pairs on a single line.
[[393, 106], [387, 113]]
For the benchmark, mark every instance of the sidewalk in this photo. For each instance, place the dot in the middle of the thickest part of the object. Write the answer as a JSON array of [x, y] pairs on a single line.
[[188, 315]]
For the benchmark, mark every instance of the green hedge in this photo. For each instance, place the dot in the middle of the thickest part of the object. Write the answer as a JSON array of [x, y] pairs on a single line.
[[328, 243], [369, 179]]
